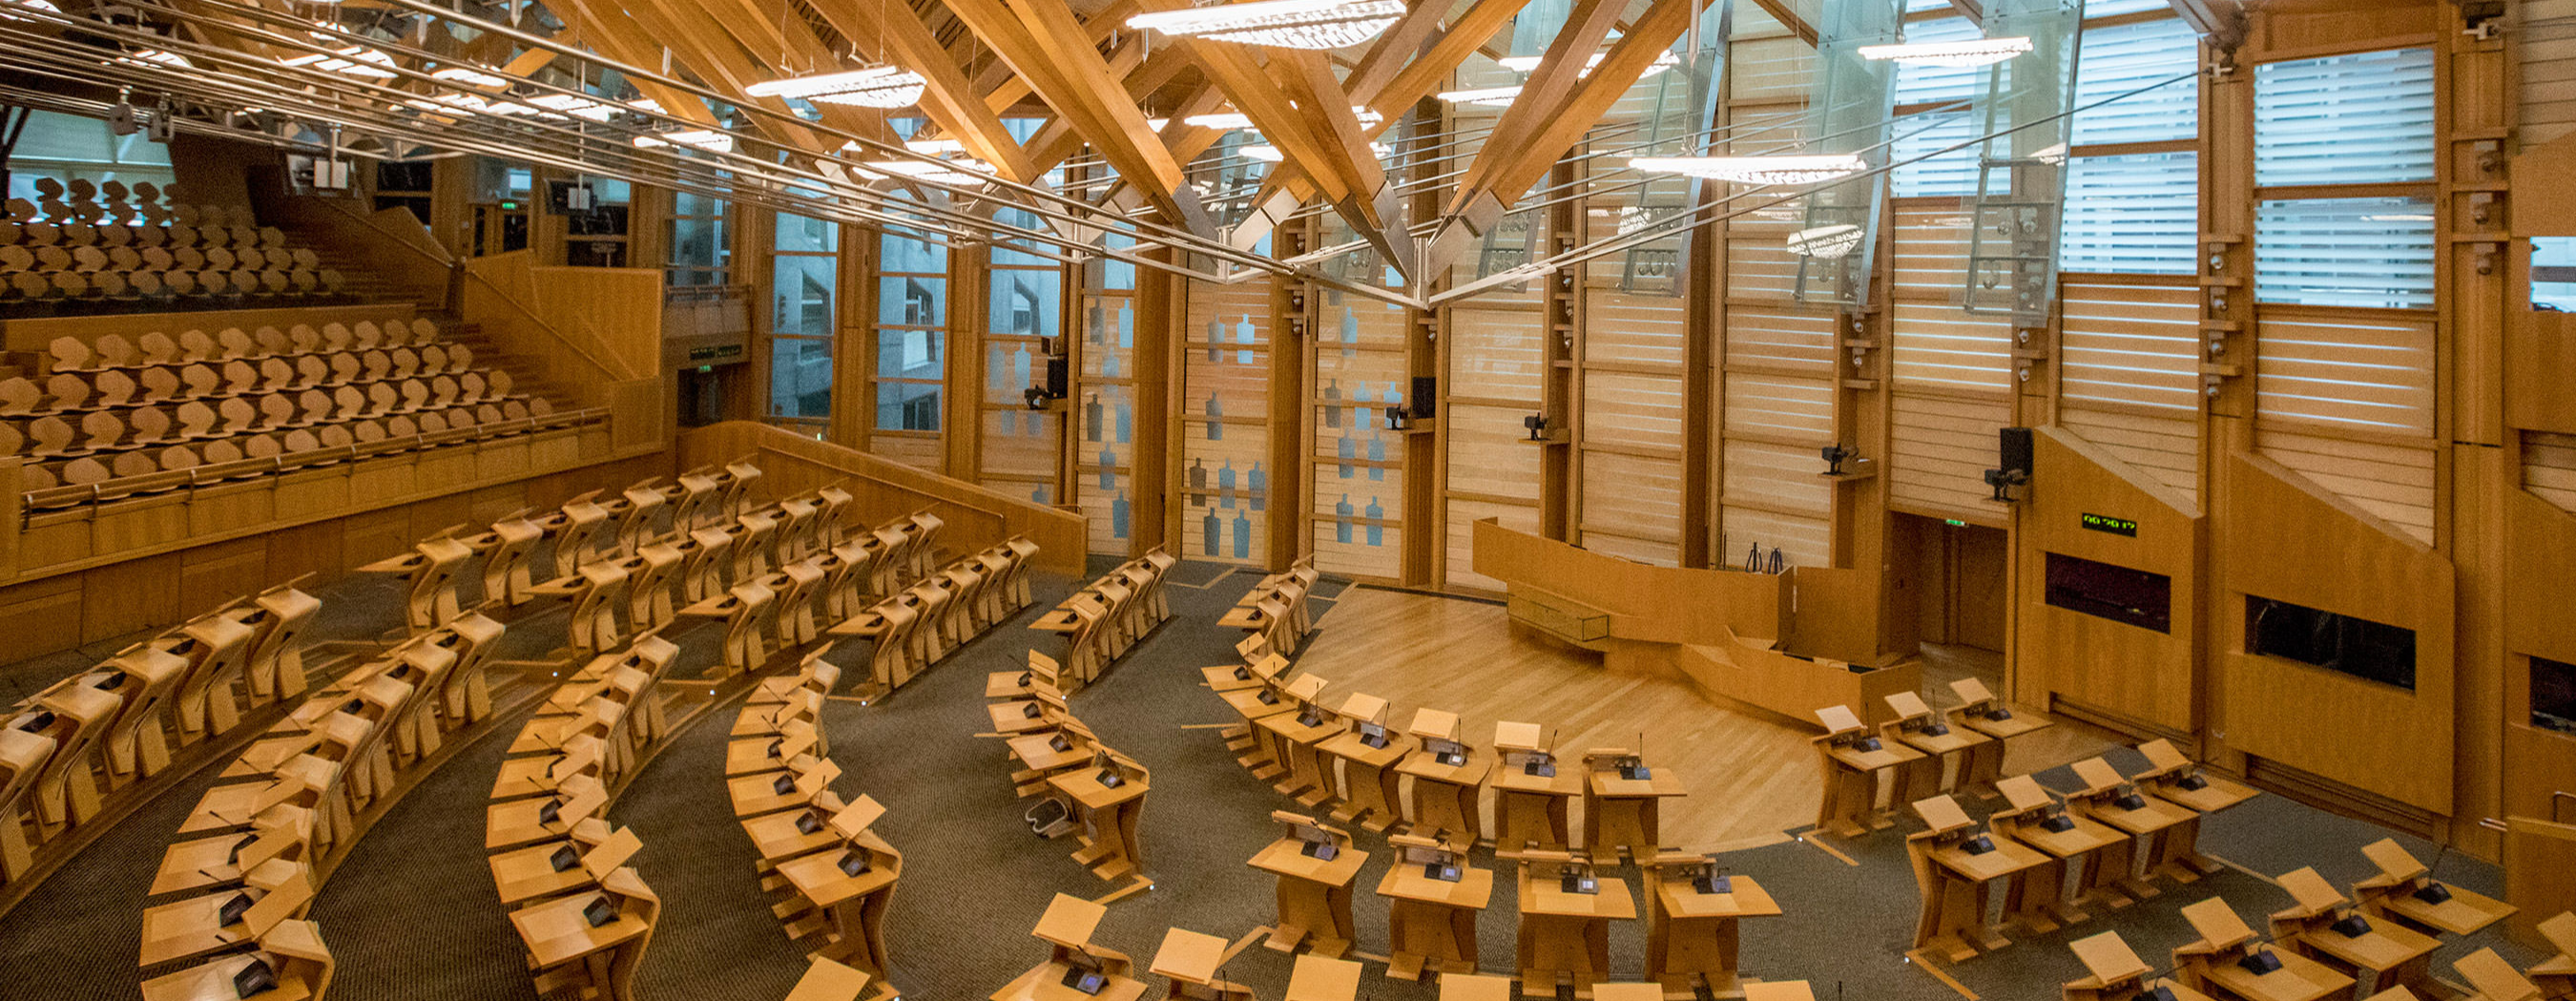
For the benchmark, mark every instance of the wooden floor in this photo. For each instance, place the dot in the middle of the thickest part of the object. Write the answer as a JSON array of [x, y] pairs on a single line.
[[1751, 777]]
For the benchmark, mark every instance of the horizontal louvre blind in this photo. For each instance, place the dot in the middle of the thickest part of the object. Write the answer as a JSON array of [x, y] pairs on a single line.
[[1780, 407], [2357, 374], [1629, 328], [2123, 58], [1776, 476], [1943, 347], [1634, 498], [1943, 448], [1802, 541], [1770, 69], [1780, 338], [1953, 173], [1758, 262], [2368, 252], [2363, 118], [2131, 344], [1495, 353], [2545, 54], [1932, 250], [2549, 467], [1633, 409], [2135, 214], [2392, 482]]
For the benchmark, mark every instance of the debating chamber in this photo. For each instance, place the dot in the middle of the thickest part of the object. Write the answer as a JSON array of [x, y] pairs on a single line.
[[1288, 500]]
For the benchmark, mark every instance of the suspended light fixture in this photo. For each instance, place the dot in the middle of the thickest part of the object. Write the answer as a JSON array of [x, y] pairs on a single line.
[[928, 147], [1825, 242], [968, 171], [577, 106], [1286, 24], [1271, 154], [1524, 64], [882, 86], [465, 77], [1231, 120], [706, 139], [1966, 53], [35, 5], [1490, 97], [351, 60], [157, 57], [1755, 169]]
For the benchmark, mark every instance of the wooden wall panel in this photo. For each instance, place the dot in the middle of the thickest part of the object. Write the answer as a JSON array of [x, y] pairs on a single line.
[[2544, 41], [2361, 373], [1800, 410], [1237, 376], [1802, 541], [1781, 338], [1495, 353], [2392, 481], [2540, 546], [1632, 329], [2131, 345], [1944, 347], [2112, 668], [1359, 369], [2280, 528], [1758, 262], [2165, 448], [1462, 519], [1931, 248], [1635, 500], [1943, 445]]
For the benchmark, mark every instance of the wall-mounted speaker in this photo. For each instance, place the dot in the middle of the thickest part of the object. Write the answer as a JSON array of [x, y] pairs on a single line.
[[2013, 452], [1426, 397], [1059, 377]]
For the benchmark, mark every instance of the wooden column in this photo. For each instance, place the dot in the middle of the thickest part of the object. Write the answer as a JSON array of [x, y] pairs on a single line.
[[2227, 400], [1703, 325], [1426, 538], [1152, 487], [1292, 313], [1559, 390], [961, 397], [854, 352]]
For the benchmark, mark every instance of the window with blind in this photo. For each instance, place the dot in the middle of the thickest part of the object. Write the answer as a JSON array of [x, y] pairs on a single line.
[[2553, 273], [804, 284], [2367, 252], [911, 332], [2120, 59], [2363, 118], [2133, 214], [1917, 85]]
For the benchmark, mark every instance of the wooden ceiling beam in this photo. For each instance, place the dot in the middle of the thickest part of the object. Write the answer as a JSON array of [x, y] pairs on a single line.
[[1546, 90], [1520, 157], [608, 29], [948, 98]]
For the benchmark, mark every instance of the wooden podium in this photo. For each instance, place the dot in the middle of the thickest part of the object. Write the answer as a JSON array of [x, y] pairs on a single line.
[[1955, 867], [2220, 962], [1266, 696], [2175, 779], [2381, 954], [1980, 711], [1109, 797], [1917, 727], [1851, 760], [1321, 978], [1566, 910], [1075, 969], [1447, 778], [852, 885], [1691, 914], [2494, 979], [1368, 753], [2033, 817], [1189, 961], [1433, 899], [2404, 890], [1622, 804], [1315, 865], [1531, 791], [2115, 973], [1292, 737], [590, 942], [2111, 800]]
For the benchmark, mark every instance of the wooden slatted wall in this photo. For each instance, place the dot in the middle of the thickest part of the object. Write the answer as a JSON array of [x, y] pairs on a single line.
[[1231, 444], [2129, 378], [1495, 358], [1358, 462], [2545, 45], [2549, 467]]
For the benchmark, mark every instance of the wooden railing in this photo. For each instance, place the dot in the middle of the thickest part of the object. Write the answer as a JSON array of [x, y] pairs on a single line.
[[597, 333], [977, 517]]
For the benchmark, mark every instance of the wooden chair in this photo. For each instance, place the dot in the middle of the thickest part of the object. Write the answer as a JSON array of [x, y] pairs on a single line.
[[22, 761], [138, 738], [431, 566], [74, 721]]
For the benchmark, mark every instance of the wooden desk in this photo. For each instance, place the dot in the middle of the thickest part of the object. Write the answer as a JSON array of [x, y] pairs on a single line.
[[1258, 749], [1621, 812], [2114, 973], [855, 904], [565, 950], [186, 929], [2298, 979], [2171, 777], [1918, 727], [1368, 778], [1692, 937], [776, 837], [2392, 893], [1188, 961], [1302, 773], [2556, 976], [1319, 978], [2388, 955], [1039, 753], [1978, 711], [2494, 979], [1445, 797], [2041, 894], [1566, 935], [1109, 818], [1046, 983], [2099, 800], [1431, 923], [1314, 894], [528, 874], [1850, 760], [1957, 884]]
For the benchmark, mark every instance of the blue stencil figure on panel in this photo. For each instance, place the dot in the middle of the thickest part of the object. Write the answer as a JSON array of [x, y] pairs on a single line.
[[1257, 487], [1095, 324], [1126, 325], [1091, 417], [1198, 483], [1118, 516], [1019, 367], [1242, 536], [1376, 531], [1350, 333], [1348, 448], [1243, 335], [1210, 531], [1360, 417], [997, 372], [1108, 469], [1215, 337], [1333, 403], [1038, 496], [1126, 421], [1342, 520], [1377, 453], [1225, 484], [1215, 409]]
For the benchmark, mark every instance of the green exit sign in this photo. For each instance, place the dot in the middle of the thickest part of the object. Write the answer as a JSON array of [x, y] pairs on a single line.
[[1954, 523], [2115, 526]]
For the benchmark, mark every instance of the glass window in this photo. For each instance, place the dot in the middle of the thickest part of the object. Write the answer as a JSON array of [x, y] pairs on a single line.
[[1025, 303], [701, 243], [2365, 118], [2369, 252], [2117, 593], [911, 354], [2368, 650], [2553, 695], [907, 406], [801, 289], [2137, 214], [2553, 273], [800, 377], [2120, 59]]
